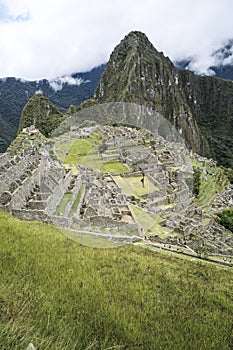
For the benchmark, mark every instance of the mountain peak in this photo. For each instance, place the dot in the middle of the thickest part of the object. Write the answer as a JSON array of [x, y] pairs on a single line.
[[136, 37], [41, 113], [138, 73], [135, 41]]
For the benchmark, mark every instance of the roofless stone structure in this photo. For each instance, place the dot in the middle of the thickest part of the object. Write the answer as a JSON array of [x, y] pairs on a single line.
[[156, 182]]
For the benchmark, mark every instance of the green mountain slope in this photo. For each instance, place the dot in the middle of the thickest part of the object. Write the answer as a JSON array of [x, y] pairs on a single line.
[[211, 102], [15, 93], [6, 129], [201, 108], [137, 72], [59, 294], [40, 112]]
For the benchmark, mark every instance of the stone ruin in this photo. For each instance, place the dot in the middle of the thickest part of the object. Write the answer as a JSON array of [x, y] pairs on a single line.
[[103, 204], [35, 186], [35, 181]]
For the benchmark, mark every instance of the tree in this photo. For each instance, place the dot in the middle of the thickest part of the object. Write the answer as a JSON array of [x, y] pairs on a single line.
[[102, 147], [226, 218]]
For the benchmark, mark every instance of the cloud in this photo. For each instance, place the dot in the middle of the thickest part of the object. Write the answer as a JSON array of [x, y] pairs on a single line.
[[7, 15], [58, 83], [50, 38]]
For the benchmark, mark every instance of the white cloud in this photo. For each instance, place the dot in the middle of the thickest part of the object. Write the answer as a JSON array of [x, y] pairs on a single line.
[[50, 38], [58, 83]]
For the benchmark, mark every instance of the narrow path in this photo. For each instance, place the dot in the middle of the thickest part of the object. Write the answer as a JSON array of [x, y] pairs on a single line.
[[192, 255]]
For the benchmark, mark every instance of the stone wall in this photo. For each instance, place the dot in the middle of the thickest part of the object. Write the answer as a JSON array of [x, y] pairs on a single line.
[[12, 173], [59, 191], [31, 215], [23, 192], [61, 221], [4, 158], [103, 221]]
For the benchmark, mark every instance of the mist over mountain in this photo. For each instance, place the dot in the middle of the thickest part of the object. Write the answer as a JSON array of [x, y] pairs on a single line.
[[221, 62]]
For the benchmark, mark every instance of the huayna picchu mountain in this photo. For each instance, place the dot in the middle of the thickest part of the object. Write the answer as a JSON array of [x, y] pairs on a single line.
[[201, 108]]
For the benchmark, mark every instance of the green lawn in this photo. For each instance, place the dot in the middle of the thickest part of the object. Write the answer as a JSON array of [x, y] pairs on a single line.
[[150, 223], [77, 151], [74, 207], [91, 240], [96, 137], [114, 167], [92, 160], [62, 295], [132, 185], [62, 205]]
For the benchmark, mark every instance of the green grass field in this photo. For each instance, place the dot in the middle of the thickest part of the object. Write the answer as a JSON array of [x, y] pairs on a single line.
[[81, 151], [114, 167], [62, 295], [75, 205], [150, 223], [62, 205], [77, 150], [132, 185]]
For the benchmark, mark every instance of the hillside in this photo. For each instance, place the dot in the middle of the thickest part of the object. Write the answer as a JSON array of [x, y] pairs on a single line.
[[137, 72], [41, 113], [62, 92], [201, 108], [59, 294]]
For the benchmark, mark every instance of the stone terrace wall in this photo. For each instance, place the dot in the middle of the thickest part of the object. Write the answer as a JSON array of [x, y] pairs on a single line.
[[59, 191], [61, 221], [31, 215], [14, 172], [4, 158], [103, 221], [23, 192]]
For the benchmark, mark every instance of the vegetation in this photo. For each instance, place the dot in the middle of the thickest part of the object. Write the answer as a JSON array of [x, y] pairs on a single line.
[[40, 112], [196, 181], [114, 167], [74, 207], [229, 173], [140, 74], [62, 205], [61, 295], [77, 150], [15, 93], [226, 218], [207, 182], [133, 186], [102, 147]]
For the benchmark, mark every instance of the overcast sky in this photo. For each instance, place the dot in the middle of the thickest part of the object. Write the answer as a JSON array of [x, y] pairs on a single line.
[[50, 38]]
